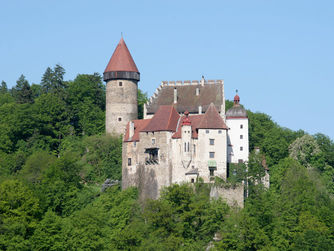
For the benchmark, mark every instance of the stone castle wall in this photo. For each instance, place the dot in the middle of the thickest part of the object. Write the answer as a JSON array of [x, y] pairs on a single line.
[[232, 196], [121, 104]]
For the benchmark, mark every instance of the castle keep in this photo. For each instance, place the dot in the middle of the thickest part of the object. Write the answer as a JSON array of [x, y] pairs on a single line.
[[185, 134]]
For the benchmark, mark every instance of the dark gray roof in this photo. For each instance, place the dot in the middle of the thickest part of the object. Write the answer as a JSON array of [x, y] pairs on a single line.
[[237, 111], [187, 98]]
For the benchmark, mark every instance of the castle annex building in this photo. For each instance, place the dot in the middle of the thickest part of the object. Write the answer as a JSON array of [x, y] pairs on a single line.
[[185, 134]]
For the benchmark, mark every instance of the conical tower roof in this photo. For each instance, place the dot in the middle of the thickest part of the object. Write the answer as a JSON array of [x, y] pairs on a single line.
[[121, 64]]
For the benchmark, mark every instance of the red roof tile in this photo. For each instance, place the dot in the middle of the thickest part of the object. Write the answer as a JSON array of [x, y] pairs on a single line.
[[121, 59], [212, 119], [139, 125], [165, 119]]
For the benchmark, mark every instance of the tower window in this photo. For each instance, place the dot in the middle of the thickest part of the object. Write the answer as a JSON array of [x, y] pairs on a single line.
[[120, 84], [241, 148], [241, 136], [194, 148], [129, 161], [212, 142], [119, 119], [211, 155], [241, 126]]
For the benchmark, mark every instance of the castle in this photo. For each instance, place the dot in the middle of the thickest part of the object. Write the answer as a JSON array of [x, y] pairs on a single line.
[[185, 133]]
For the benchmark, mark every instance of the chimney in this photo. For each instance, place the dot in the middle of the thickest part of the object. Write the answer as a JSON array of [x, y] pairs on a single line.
[[175, 95], [131, 129], [200, 109]]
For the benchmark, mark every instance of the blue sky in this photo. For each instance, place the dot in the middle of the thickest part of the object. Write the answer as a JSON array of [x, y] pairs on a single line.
[[278, 54]]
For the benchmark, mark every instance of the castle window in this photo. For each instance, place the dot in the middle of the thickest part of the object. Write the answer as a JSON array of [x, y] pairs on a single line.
[[119, 119], [152, 157], [212, 142], [241, 148], [185, 147], [220, 131], [241, 126], [129, 161], [207, 131], [241, 136], [194, 148], [153, 141], [188, 146], [211, 155], [120, 84]]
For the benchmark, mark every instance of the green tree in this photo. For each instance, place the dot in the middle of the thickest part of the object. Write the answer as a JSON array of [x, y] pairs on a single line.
[[22, 91], [142, 99], [3, 87], [53, 80], [305, 150], [19, 211]]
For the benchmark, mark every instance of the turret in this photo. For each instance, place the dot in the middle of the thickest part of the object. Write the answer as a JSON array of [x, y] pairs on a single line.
[[121, 76]]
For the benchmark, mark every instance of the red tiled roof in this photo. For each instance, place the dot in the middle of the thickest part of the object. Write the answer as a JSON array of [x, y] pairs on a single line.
[[139, 125], [121, 59], [165, 119], [212, 119]]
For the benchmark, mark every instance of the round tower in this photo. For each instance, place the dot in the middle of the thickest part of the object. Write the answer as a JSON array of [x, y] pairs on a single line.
[[121, 76]]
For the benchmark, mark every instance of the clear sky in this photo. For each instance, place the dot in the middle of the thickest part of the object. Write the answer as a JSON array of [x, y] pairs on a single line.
[[278, 54]]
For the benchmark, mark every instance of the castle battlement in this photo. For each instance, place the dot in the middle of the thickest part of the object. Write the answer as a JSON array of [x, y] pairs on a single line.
[[190, 82]]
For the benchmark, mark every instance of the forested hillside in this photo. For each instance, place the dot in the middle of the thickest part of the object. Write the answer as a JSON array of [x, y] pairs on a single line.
[[55, 158]]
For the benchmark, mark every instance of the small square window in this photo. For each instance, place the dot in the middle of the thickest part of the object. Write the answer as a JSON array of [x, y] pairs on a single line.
[[129, 161], [241, 136], [153, 141], [212, 142], [119, 119], [192, 180], [120, 84], [220, 131], [211, 155], [241, 148], [207, 131], [241, 126]]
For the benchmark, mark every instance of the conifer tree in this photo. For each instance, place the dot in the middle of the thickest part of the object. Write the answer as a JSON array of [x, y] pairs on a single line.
[[22, 91]]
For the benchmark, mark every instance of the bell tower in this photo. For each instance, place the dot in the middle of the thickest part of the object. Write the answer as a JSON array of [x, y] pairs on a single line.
[[121, 76]]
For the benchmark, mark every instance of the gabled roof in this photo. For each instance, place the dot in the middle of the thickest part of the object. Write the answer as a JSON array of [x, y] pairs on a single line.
[[212, 119], [187, 98], [165, 119], [139, 125], [121, 60]]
